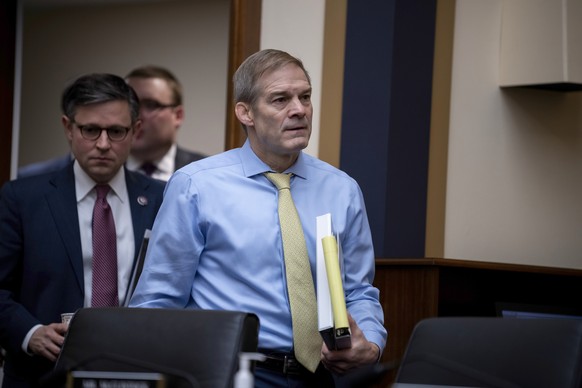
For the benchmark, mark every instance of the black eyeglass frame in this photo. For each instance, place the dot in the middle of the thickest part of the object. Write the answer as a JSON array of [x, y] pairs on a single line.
[[153, 105], [87, 136]]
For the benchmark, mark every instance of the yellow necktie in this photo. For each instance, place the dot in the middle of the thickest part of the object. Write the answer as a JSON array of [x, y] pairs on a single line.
[[307, 341]]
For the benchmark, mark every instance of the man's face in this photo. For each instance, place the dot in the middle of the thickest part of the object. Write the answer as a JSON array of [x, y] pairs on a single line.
[[160, 120], [102, 158], [279, 123]]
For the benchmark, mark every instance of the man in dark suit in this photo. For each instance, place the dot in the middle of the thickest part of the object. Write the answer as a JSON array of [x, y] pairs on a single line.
[[155, 151], [49, 235]]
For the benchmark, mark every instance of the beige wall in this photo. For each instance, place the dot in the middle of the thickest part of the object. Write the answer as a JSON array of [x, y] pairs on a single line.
[[514, 179], [188, 36], [297, 27]]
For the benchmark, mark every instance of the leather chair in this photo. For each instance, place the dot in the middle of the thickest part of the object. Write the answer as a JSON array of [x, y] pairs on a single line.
[[494, 352], [192, 348]]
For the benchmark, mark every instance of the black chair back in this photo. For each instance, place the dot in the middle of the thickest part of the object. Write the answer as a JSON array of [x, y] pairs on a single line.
[[194, 348], [494, 352]]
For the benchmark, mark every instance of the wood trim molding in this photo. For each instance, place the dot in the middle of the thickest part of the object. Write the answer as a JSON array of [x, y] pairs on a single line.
[[439, 129], [245, 39], [471, 264], [332, 82]]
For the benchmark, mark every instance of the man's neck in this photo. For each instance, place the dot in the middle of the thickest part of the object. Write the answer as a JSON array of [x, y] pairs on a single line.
[[278, 163]]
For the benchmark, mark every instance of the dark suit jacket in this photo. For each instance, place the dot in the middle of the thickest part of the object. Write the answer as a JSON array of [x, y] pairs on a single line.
[[45, 166], [183, 157], [41, 267]]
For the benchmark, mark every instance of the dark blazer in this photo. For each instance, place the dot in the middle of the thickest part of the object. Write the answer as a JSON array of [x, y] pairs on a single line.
[[183, 157], [45, 166], [41, 267]]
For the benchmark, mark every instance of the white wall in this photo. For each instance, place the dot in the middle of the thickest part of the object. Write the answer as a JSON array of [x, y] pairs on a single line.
[[297, 27], [514, 190], [189, 37]]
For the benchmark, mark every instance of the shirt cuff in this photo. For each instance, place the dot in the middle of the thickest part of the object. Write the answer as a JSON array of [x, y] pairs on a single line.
[[27, 339]]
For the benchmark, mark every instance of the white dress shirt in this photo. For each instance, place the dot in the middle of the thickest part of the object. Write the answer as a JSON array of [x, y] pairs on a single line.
[[164, 167]]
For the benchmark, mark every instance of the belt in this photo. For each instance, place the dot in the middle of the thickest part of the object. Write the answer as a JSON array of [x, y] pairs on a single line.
[[284, 363]]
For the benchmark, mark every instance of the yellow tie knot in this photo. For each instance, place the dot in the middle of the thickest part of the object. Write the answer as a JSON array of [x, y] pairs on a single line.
[[281, 181]]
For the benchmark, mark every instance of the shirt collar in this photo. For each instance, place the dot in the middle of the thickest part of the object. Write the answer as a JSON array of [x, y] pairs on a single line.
[[84, 184], [167, 162], [252, 165]]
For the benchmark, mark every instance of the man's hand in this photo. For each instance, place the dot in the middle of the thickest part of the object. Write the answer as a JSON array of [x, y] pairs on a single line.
[[46, 341], [361, 353]]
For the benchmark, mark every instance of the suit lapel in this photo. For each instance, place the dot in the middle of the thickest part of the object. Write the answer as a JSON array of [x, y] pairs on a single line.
[[141, 204], [62, 203]]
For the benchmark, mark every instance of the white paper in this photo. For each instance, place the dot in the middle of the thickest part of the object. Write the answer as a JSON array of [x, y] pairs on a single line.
[[324, 308]]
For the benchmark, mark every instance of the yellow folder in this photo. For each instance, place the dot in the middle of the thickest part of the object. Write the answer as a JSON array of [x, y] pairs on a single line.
[[332, 312], [334, 278]]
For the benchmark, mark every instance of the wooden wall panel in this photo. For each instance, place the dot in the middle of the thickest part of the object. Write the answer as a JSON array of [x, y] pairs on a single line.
[[408, 293], [245, 39]]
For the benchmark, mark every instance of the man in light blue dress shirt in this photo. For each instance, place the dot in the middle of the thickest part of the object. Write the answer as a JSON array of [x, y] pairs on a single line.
[[216, 242]]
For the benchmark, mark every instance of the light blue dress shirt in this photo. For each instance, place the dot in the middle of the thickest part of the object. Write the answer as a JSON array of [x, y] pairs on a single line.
[[216, 242]]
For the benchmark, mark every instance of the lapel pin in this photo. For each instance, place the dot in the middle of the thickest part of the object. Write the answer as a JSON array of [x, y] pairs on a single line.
[[142, 200]]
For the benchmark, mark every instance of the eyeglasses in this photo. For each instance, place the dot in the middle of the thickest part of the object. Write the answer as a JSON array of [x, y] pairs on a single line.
[[93, 132], [153, 105]]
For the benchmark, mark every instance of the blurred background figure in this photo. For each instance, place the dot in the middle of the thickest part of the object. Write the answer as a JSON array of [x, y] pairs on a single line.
[[155, 151]]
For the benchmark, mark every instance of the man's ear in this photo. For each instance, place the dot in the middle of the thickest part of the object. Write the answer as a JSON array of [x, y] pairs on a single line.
[[137, 130], [244, 114], [179, 115], [68, 126]]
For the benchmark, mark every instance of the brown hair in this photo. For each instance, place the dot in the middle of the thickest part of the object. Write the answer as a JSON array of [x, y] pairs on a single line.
[[245, 79], [151, 71]]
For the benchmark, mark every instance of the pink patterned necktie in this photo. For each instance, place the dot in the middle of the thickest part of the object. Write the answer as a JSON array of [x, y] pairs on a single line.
[[104, 288]]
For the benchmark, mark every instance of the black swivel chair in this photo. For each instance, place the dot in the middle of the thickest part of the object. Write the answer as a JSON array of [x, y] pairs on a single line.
[[494, 352], [192, 348]]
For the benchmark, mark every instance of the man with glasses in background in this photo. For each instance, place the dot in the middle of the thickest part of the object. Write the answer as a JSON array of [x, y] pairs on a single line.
[[155, 151], [69, 239]]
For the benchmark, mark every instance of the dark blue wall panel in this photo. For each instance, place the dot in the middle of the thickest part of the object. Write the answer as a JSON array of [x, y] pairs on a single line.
[[386, 116]]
